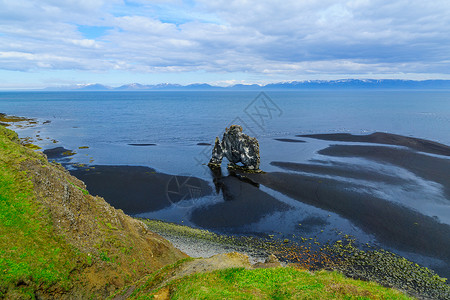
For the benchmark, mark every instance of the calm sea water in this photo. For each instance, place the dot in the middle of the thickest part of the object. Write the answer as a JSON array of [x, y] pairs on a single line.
[[107, 122], [176, 121]]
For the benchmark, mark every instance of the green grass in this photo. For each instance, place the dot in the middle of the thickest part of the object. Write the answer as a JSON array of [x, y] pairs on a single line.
[[278, 283], [272, 283], [85, 192], [31, 255], [371, 264]]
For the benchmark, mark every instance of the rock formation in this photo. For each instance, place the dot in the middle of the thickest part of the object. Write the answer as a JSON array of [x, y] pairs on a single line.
[[237, 147]]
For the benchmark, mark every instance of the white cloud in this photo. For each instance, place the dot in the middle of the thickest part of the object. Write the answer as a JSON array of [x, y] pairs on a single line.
[[292, 37], [87, 43]]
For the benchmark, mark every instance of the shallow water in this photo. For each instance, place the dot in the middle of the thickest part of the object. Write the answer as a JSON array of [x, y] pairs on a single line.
[[108, 122]]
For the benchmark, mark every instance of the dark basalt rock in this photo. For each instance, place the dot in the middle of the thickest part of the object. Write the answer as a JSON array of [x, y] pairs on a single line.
[[237, 147]]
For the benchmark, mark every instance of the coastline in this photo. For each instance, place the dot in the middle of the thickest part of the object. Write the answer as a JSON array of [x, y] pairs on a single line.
[[286, 248], [240, 200], [370, 264]]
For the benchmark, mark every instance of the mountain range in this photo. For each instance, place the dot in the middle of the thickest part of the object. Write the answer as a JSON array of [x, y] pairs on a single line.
[[344, 84]]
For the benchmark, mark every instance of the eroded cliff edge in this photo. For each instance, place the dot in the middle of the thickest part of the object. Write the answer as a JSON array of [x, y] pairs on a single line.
[[60, 241]]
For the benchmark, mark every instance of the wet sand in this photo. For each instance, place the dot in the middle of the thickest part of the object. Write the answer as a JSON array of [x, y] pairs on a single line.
[[335, 186], [140, 189], [393, 224], [339, 169], [244, 203], [137, 190], [387, 139], [425, 166], [320, 184]]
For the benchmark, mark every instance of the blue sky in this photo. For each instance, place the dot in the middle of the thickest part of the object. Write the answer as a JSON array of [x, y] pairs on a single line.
[[113, 42]]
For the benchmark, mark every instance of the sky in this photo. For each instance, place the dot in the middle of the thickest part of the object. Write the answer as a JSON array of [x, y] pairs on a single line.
[[222, 42]]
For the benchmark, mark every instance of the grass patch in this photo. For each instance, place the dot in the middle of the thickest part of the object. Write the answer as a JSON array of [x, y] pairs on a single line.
[[278, 283], [32, 146], [68, 153], [378, 265], [149, 283], [272, 283], [85, 192], [31, 255]]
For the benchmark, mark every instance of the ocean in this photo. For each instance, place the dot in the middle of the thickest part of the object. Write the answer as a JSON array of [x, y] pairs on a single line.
[[176, 121], [170, 132]]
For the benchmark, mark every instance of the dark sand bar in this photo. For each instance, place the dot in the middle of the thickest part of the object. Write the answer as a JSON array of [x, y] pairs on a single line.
[[387, 139], [290, 140], [244, 204], [142, 145], [339, 169], [140, 189], [137, 190], [425, 166], [392, 224], [335, 185]]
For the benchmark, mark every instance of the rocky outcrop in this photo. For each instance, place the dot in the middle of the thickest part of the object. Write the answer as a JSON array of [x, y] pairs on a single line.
[[237, 147]]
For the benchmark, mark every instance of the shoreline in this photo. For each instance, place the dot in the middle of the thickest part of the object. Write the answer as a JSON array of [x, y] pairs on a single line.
[[242, 202], [348, 264], [203, 243], [369, 264], [320, 183]]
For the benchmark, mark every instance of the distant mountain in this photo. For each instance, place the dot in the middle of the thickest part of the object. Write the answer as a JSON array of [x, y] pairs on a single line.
[[203, 87], [132, 87], [81, 87], [343, 84], [140, 87], [360, 84], [246, 87], [95, 87]]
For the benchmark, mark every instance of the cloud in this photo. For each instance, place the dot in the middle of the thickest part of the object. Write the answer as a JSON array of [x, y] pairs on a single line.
[[294, 38]]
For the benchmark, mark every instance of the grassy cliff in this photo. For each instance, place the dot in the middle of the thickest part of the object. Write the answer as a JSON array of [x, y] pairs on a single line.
[[57, 241]]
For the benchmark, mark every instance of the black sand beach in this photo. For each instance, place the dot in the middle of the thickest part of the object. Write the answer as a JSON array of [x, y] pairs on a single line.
[[244, 203], [322, 182], [140, 189], [395, 225]]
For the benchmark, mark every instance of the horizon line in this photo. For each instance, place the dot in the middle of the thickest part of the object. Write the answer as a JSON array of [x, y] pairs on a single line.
[[166, 85]]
